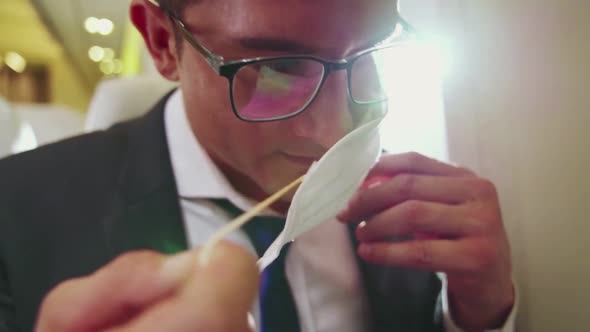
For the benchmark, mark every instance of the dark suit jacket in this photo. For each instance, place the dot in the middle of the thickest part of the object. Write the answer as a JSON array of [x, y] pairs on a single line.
[[69, 208]]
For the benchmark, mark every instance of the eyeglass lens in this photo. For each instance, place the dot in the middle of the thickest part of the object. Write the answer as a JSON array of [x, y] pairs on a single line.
[[279, 88]]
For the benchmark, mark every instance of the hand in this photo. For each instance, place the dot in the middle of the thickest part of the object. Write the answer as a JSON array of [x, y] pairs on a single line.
[[455, 226], [147, 291]]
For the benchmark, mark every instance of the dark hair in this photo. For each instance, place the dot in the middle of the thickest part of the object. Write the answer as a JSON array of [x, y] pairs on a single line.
[[175, 6]]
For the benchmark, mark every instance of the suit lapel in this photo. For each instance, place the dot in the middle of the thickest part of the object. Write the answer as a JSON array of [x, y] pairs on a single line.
[[153, 223], [400, 299], [148, 214]]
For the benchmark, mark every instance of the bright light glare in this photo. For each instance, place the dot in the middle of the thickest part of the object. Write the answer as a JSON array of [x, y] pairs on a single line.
[[109, 54], [90, 24], [102, 26], [107, 67], [15, 62], [96, 53], [105, 26], [415, 121]]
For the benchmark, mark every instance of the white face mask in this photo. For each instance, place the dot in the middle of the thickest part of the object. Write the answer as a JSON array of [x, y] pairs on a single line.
[[329, 184]]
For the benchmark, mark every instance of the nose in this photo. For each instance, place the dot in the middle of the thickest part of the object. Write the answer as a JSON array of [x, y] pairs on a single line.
[[329, 117]]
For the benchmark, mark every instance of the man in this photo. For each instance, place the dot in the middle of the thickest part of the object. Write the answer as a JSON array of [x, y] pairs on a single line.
[[168, 180]]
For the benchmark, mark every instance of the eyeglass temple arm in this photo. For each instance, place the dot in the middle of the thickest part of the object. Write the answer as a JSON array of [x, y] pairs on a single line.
[[214, 60]]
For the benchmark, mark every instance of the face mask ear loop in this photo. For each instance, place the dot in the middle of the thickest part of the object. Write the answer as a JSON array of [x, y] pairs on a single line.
[[205, 253]]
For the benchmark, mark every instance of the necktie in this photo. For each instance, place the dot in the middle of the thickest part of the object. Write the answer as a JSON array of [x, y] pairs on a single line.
[[277, 307]]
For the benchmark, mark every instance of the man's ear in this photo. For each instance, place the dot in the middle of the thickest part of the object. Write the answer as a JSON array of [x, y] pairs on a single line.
[[157, 31]]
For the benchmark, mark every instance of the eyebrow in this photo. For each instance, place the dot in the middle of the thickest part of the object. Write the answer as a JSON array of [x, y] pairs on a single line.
[[295, 47], [274, 44]]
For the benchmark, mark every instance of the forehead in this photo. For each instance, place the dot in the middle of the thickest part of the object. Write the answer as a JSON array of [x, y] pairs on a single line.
[[337, 26]]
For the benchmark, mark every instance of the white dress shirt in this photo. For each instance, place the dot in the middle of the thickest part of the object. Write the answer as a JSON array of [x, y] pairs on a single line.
[[327, 287]]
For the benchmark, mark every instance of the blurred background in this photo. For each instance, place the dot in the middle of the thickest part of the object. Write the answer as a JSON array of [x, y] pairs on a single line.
[[54, 54], [501, 87]]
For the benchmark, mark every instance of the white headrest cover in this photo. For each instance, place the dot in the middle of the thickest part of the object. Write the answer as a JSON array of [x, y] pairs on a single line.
[[118, 100]]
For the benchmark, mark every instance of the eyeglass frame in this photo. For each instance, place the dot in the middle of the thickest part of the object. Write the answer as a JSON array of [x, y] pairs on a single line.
[[230, 68]]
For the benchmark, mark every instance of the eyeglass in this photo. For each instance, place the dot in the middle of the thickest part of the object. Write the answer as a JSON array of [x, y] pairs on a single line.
[[273, 88]]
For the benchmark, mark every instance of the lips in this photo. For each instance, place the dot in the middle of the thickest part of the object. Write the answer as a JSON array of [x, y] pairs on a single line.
[[300, 159]]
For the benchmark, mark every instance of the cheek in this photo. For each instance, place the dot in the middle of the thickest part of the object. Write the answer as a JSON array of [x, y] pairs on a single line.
[[252, 140]]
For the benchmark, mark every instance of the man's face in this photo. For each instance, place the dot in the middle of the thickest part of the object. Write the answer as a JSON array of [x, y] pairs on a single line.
[[260, 158]]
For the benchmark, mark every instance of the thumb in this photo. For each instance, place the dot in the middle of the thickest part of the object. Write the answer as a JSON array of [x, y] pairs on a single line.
[[216, 298], [229, 282]]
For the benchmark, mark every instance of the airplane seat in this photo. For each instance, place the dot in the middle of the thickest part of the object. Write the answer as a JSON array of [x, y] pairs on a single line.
[[117, 100], [9, 128]]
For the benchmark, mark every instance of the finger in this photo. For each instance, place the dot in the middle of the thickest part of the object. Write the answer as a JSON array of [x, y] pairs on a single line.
[[413, 162], [452, 256], [114, 293], [413, 217], [403, 187], [217, 297]]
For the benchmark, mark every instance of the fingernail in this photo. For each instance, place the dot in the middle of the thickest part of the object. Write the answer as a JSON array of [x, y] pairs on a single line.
[[177, 268], [374, 184], [359, 229], [371, 183], [374, 181]]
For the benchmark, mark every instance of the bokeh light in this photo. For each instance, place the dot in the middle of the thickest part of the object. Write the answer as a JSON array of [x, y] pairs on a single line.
[[96, 53], [15, 62]]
